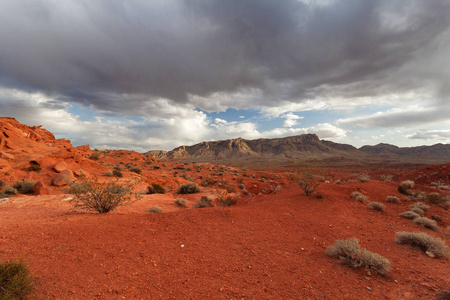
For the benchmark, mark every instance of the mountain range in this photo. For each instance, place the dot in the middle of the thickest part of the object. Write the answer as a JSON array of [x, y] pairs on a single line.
[[302, 147]]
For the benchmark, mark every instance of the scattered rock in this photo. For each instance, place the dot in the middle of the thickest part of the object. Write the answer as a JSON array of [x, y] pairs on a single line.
[[41, 189], [5, 200], [59, 167], [64, 178], [430, 254]]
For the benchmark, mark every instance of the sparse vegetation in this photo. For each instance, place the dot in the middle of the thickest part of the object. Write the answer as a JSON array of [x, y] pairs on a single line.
[[136, 170], [117, 174], [34, 168], [360, 197], [156, 188], [189, 188], [350, 253], [24, 187], [15, 280], [10, 191], [155, 209], [419, 205], [425, 242], [363, 177], [306, 176], [180, 202], [409, 184], [223, 200], [427, 223], [376, 206], [434, 198], [92, 195], [409, 215], [203, 202], [392, 199], [416, 210], [108, 173]]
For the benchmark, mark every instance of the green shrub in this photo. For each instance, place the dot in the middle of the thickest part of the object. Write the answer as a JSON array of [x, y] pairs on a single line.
[[203, 202], [392, 199], [156, 188], [376, 206], [189, 188], [155, 209], [93, 195], [425, 242], [409, 215], [34, 168], [180, 202], [24, 187], [427, 223], [353, 255], [15, 280]]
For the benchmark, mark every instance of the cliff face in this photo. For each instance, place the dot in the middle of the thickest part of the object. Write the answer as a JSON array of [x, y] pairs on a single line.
[[307, 145]]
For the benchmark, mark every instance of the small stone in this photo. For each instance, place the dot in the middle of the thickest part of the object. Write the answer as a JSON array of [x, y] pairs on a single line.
[[368, 288], [182, 246], [430, 254], [368, 273]]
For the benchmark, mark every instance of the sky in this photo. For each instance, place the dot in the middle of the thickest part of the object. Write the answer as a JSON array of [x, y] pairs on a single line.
[[154, 75]]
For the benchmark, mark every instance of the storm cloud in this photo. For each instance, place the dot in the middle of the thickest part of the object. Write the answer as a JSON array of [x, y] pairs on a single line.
[[104, 53]]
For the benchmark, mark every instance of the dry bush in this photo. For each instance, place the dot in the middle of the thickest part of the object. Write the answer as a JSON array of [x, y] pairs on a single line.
[[363, 177], [307, 176], [180, 202], [92, 195], [10, 191], [420, 205], [203, 202], [353, 255], [15, 280], [108, 173], [360, 197], [189, 188], [417, 210], [24, 187], [427, 223], [155, 209], [376, 206], [425, 242], [409, 215], [223, 200], [156, 188], [356, 194], [409, 184], [434, 198], [392, 199]]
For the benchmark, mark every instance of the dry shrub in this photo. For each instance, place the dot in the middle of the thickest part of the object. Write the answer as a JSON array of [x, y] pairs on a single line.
[[409, 184], [392, 199], [10, 191], [180, 202], [203, 202], [24, 187], [155, 209], [223, 200], [353, 255], [363, 177], [409, 215], [376, 206], [427, 223], [356, 194], [308, 176], [15, 280], [425, 242], [416, 210], [92, 195], [189, 188], [156, 188], [420, 205], [434, 198]]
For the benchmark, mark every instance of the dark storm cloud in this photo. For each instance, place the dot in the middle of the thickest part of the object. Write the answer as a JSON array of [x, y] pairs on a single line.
[[101, 52]]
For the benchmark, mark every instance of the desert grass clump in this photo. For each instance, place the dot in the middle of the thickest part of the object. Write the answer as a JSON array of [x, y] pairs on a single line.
[[307, 176], [350, 253], [376, 206], [189, 188], [225, 200], [180, 202], [425, 242], [409, 184], [392, 199], [419, 205], [156, 188], [24, 187], [102, 197], [363, 177], [15, 280], [203, 202], [416, 210], [108, 173], [34, 168], [409, 215], [136, 170], [356, 194], [434, 198], [155, 209], [427, 223]]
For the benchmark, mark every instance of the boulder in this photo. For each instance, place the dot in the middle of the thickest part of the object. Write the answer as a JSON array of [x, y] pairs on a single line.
[[59, 167], [64, 178], [41, 189]]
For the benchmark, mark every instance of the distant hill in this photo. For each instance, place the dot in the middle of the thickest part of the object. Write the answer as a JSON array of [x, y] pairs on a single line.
[[434, 151], [278, 151]]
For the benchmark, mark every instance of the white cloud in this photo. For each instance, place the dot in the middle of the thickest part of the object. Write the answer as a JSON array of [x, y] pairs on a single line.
[[441, 135], [291, 119]]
